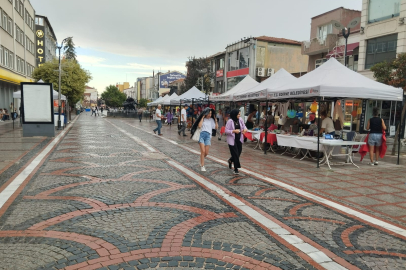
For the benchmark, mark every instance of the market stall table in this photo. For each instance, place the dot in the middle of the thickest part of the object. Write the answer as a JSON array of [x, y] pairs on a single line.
[[329, 146]]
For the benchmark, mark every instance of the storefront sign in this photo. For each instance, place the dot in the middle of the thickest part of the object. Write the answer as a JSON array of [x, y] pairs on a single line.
[[362, 119], [40, 40], [220, 73], [166, 79], [238, 72]]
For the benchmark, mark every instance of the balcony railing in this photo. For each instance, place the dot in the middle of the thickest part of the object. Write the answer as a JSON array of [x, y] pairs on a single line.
[[317, 45]]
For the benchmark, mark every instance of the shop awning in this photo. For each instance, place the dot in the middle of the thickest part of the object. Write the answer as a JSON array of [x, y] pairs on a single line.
[[10, 77], [339, 51]]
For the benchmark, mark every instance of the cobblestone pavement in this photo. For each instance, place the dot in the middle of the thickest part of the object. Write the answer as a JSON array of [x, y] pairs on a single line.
[[112, 196]]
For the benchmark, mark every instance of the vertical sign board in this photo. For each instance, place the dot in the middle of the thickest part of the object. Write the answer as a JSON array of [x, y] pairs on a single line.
[[362, 120], [37, 109], [40, 42]]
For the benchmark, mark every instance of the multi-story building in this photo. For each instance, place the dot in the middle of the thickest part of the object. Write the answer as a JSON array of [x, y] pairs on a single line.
[[260, 57], [45, 40], [142, 87], [90, 97], [17, 48], [176, 85], [130, 92], [383, 32], [218, 65], [327, 41], [122, 86]]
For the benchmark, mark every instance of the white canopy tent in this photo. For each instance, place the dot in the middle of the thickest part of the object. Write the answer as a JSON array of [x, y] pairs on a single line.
[[153, 103], [244, 85], [280, 78], [192, 94], [334, 80], [167, 102], [17, 94]]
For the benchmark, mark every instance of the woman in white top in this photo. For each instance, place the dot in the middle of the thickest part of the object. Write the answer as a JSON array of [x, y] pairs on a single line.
[[206, 124]]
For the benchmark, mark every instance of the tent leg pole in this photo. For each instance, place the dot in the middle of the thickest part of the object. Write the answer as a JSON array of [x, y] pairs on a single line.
[[401, 125], [266, 126], [318, 135]]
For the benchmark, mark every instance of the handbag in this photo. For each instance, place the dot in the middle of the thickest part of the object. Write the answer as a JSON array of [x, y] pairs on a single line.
[[196, 135], [213, 132]]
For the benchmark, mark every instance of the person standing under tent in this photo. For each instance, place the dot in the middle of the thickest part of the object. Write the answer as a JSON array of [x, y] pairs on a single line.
[[327, 125], [375, 125], [183, 119], [235, 128], [158, 118], [207, 122], [220, 121]]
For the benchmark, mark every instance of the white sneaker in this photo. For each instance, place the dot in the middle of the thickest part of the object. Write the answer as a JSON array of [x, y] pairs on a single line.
[[202, 168], [376, 163], [371, 163]]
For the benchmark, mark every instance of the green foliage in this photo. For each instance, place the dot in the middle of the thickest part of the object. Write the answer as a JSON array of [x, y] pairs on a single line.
[[73, 79], [142, 103], [69, 49], [382, 71], [113, 97], [193, 77]]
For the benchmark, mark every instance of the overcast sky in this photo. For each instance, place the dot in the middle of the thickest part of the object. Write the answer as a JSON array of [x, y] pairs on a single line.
[[120, 40]]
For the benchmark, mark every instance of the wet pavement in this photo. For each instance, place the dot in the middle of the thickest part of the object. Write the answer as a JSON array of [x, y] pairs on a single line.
[[112, 195]]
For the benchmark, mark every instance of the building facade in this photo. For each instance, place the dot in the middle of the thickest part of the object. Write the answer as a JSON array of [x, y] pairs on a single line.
[[218, 62], [17, 48], [176, 85], [130, 92], [260, 57], [90, 97], [122, 86], [46, 41], [327, 41]]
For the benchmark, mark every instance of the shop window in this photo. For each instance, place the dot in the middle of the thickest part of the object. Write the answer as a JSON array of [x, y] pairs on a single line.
[[380, 10], [231, 82], [243, 58], [380, 49], [232, 61]]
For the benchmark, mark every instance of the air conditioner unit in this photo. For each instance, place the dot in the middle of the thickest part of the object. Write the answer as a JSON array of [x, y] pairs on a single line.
[[261, 72], [270, 72]]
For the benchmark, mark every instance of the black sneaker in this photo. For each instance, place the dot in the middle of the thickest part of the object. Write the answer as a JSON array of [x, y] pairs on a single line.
[[229, 164], [236, 171], [184, 135]]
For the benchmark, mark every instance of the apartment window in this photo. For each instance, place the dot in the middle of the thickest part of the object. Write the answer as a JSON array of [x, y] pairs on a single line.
[[380, 49], [233, 60], [10, 26], [1, 55], [380, 10], [18, 64], [4, 21], [21, 9], [324, 30], [22, 66], [243, 58], [11, 60], [22, 37]]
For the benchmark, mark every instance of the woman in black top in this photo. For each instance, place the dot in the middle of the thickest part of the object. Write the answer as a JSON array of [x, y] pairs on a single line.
[[375, 125]]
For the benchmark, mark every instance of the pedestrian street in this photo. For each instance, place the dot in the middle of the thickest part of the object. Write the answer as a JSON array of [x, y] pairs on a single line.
[[110, 194]]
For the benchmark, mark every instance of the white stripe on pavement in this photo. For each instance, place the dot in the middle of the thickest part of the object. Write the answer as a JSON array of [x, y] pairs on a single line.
[[317, 255], [16, 183]]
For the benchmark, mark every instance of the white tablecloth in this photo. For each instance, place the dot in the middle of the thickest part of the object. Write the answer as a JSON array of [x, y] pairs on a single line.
[[255, 133], [304, 142]]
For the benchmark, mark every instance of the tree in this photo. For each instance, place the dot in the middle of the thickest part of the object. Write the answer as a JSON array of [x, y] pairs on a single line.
[[69, 51], [113, 97], [73, 78], [194, 67], [142, 103], [393, 73]]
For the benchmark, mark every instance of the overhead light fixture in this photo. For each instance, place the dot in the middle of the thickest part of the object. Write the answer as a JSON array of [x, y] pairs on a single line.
[[354, 22]]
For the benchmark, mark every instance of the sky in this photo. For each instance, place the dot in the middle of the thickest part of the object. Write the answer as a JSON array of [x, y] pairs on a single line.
[[120, 40]]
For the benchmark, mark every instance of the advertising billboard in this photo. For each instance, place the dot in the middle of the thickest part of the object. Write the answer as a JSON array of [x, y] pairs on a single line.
[[166, 79]]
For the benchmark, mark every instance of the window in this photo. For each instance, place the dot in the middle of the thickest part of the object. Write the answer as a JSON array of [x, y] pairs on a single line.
[[21, 9], [1, 55], [380, 49], [380, 10], [320, 62], [4, 21], [18, 64], [232, 61], [11, 60], [243, 58], [324, 30], [10, 26], [5, 57]]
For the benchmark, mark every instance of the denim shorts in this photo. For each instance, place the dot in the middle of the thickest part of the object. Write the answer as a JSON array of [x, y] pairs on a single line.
[[205, 138], [375, 139]]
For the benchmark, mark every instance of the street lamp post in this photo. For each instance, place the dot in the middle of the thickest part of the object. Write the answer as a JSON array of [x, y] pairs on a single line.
[[354, 22], [59, 85]]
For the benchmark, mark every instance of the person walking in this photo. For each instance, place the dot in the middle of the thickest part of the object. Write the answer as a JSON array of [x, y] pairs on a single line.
[[96, 111], [140, 111], [183, 119], [220, 121], [169, 118], [101, 110], [235, 128], [158, 118], [375, 126], [206, 122], [93, 111]]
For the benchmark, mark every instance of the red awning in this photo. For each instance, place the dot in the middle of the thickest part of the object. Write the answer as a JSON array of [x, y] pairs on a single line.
[[339, 51]]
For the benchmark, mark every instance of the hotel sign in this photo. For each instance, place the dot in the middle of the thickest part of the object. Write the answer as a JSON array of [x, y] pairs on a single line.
[[40, 42]]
